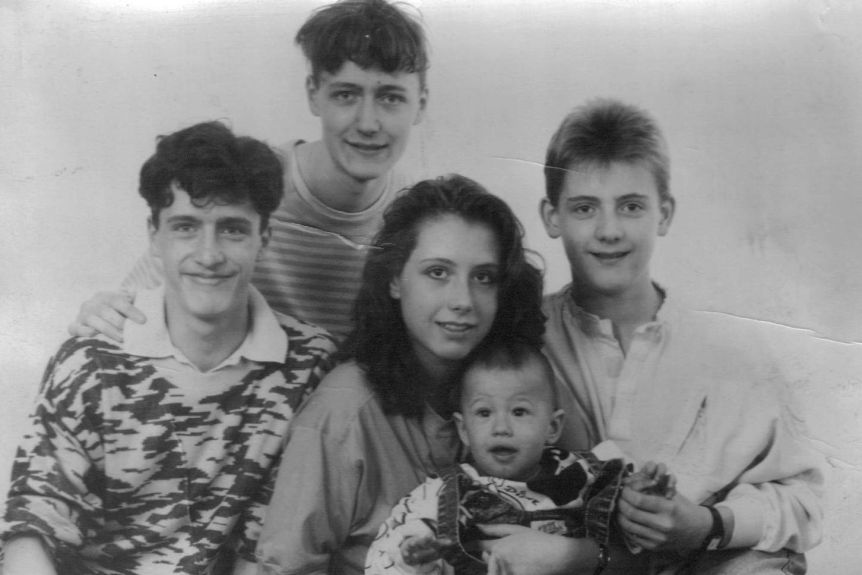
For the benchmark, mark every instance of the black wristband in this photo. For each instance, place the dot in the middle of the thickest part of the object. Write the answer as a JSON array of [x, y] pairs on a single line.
[[716, 532]]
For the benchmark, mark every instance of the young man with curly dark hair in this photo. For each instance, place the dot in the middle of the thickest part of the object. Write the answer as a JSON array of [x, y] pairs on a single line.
[[158, 455]]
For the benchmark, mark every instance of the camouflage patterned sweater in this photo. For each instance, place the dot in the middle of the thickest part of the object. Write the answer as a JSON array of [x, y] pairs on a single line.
[[102, 474]]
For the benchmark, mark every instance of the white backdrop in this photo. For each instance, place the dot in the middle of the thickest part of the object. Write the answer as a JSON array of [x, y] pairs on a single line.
[[759, 100]]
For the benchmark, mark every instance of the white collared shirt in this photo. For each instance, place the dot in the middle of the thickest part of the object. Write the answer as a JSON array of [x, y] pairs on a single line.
[[264, 342], [702, 393]]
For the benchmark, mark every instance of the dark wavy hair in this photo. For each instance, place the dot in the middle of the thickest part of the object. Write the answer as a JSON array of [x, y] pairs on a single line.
[[380, 344], [211, 164], [603, 131], [369, 33]]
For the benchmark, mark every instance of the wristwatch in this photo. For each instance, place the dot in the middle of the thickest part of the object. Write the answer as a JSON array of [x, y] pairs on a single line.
[[716, 532]]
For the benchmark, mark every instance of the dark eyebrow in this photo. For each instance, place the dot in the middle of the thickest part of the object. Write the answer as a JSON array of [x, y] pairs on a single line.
[[182, 218], [487, 265], [234, 220], [437, 260], [632, 196], [622, 198], [341, 85], [391, 88], [582, 199]]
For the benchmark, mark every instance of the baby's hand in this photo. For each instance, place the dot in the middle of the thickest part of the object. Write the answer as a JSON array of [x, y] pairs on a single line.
[[653, 479], [416, 550]]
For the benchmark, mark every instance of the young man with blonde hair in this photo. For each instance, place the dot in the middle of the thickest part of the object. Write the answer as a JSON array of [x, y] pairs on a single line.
[[696, 391]]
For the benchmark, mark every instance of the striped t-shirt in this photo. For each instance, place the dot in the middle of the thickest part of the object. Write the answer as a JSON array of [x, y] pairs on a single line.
[[312, 267]]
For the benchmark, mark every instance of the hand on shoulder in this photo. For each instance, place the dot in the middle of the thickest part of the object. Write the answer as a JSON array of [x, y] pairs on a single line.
[[106, 313]]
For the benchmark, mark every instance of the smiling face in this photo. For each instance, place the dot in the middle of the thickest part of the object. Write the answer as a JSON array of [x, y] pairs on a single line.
[[609, 219], [448, 290], [208, 254], [366, 115], [507, 417]]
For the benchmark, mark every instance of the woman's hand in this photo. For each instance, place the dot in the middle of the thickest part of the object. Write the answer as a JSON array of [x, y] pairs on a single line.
[[518, 550], [105, 313], [657, 523]]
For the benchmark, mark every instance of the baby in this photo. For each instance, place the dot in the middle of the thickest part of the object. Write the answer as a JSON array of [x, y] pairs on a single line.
[[508, 419]]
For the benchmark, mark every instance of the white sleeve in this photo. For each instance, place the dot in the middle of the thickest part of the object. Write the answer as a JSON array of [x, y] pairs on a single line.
[[779, 498], [414, 515]]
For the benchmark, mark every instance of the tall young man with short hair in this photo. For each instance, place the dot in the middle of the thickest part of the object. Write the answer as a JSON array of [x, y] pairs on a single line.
[[368, 63], [696, 391], [159, 455]]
